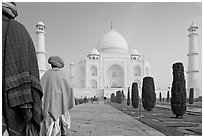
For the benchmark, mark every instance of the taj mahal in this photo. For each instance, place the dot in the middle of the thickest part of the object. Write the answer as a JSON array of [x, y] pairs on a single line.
[[109, 67]]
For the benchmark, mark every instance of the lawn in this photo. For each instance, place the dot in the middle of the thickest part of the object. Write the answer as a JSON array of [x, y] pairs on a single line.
[[163, 120]]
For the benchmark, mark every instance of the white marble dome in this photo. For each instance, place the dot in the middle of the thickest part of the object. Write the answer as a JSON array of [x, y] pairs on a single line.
[[135, 52], [113, 42], [94, 51]]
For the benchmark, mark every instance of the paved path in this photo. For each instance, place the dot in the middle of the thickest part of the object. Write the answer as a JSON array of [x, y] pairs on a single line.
[[104, 120]]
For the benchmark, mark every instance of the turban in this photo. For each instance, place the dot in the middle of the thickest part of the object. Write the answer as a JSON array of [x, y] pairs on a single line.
[[56, 61], [10, 9]]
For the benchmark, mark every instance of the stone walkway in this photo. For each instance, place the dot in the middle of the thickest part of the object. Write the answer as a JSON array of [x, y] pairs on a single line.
[[103, 120]]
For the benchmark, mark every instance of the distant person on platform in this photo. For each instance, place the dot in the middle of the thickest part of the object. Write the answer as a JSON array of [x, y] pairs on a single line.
[[21, 89], [58, 99], [105, 99]]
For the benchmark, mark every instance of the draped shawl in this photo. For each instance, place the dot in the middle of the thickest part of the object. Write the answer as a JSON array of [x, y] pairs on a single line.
[[22, 93]]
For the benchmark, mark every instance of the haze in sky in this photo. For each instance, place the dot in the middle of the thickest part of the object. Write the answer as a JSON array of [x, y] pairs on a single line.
[[157, 30]]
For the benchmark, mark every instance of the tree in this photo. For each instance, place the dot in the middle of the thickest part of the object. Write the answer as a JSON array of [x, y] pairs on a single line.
[[118, 97], [160, 97], [178, 91], [135, 95], [112, 97], [128, 97], [167, 98], [148, 93], [81, 100], [191, 96], [76, 101]]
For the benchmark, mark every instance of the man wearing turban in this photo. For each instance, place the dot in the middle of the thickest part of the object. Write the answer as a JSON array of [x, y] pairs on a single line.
[[58, 99], [56, 62]]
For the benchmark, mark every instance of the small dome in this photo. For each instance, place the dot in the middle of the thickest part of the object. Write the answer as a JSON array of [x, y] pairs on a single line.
[[94, 51], [193, 25], [112, 42], [40, 23], [135, 52]]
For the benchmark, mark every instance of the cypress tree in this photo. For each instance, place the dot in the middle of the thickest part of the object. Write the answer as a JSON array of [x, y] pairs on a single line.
[[128, 97], [118, 97], [76, 101], [191, 97], [123, 96], [160, 97], [148, 93], [112, 97], [135, 95], [178, 91], [167, 98]]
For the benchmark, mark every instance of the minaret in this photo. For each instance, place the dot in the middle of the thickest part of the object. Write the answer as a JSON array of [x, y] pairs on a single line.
[[40, 48], [71, 74], [193, 61]]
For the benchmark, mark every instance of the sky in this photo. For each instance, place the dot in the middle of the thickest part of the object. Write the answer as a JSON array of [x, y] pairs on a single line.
[[157, 30]]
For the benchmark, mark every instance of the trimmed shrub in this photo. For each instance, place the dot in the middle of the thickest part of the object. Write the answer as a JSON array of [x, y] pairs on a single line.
[[85, 99], [76, 101], [167, 98], [128, 97], [135, 95], [191, 96], [199, 99], [148, 93], [178, 91], [118, 97], [112, 97], [160, 97], [81, 100]]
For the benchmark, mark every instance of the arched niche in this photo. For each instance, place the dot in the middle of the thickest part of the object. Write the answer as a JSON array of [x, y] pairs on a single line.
[[115, 76], [93, 70]]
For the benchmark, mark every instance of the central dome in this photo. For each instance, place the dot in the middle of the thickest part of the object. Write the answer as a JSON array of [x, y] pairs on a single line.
[[112, 42]]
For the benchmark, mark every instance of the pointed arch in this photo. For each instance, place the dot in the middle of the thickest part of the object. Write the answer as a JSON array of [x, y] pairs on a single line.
[[93, 70], [115, 76], [93, 83]]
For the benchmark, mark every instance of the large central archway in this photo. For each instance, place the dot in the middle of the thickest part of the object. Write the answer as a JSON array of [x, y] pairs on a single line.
[[115, 76]]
